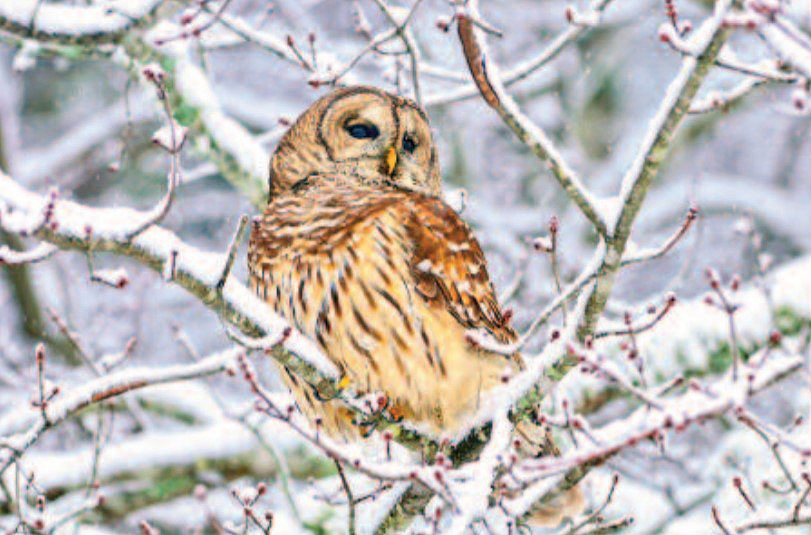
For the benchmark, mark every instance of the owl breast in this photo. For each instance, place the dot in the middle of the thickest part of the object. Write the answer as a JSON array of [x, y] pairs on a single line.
[[387, 283]]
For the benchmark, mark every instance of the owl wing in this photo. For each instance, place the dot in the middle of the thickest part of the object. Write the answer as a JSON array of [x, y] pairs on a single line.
[[387, 283], [449, 269]]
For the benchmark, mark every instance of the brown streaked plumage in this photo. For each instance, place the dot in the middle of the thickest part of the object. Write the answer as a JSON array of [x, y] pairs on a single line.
[[386, 282], [357, 250]]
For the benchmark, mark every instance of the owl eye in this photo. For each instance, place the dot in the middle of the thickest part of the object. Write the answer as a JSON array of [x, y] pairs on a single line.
[[363, 131], [409, 145]]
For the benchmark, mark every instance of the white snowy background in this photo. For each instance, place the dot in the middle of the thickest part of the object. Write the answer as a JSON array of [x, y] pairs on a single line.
[[79, 116]]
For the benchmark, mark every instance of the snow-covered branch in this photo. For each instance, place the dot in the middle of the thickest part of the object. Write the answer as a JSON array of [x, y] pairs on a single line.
[[66, 403], [85, 24], [707, 41], [791, 44], [484, 70], [73, 226], [41, 252]]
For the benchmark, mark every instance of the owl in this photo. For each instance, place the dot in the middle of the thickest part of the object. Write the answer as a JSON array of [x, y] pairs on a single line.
[[357, 249]]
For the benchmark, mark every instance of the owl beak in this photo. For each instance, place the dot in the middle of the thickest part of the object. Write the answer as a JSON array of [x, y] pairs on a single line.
[[391, 160]]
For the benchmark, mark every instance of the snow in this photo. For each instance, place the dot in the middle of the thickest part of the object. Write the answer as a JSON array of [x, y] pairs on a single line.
[[698, 43], [171, 137], [198, 92], [117, 223], [76, 20], [791, 48]]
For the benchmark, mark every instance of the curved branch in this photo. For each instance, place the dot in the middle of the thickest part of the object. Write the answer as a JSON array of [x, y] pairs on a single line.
[[485, 74], [105, 387], [39, 253]]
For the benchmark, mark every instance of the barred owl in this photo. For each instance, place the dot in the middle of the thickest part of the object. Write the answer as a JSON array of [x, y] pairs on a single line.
[[358, 251]]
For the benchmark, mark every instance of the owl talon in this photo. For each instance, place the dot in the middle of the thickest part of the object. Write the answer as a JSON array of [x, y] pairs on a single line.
[[327, 391], [394, 414], [366, 427]]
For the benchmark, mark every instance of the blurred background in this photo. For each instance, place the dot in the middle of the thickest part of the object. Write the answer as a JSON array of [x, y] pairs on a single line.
[[77, 117]]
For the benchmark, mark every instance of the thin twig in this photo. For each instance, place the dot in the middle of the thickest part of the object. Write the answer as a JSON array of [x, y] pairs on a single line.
[[716, 517], [401, 28], [748, 419], [644, 256], [553, 258], [74, 340], [40, 359], [670, 302], [593, 516], [176, 142], [774, 523], [232, 252], [801, 500], [608, 370], [349, 498], [41, 252]]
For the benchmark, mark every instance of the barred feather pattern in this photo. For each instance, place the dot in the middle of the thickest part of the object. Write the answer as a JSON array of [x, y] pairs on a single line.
[[387, 282]]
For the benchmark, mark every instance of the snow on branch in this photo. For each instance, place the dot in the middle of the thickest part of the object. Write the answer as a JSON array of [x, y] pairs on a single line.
[[706, 41], [650, 423], [717, 100], [790, 43], [73, 226], [41, 252], [241, 157], [485, 73], [63, 404], [85, 24]]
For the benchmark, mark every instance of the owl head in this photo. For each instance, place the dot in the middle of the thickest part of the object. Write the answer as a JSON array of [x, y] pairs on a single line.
[[358, 134]]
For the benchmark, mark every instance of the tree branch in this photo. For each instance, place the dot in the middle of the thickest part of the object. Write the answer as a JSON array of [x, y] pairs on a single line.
[[106, 229], [655, 147], [79, 24], [485, 73]]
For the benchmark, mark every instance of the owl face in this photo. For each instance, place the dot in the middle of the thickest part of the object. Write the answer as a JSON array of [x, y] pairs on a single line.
[[359, 134]]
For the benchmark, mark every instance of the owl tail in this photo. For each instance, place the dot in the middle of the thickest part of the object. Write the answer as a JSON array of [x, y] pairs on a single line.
[[536, 441]]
